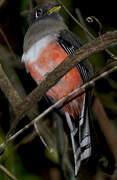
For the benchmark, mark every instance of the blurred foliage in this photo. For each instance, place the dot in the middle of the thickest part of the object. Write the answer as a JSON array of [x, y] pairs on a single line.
[[32, 161], [13, 164]]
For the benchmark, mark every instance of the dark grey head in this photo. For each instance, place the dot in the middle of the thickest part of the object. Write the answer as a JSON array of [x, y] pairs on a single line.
[[45, 20], [45, 10]]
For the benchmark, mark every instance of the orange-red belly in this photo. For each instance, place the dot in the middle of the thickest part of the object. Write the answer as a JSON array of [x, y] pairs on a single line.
[[48, 59]]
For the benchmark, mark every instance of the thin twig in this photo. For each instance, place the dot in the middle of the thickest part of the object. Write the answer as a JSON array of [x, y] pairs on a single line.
[[5, 171], [90, 19], [84, 28], [60, 102], [7, 42], [42, 139], [48, 136], [27, 139], [75, 20], [81, 20]]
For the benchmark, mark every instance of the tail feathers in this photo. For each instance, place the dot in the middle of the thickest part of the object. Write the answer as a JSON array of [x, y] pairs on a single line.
[[80, 137]]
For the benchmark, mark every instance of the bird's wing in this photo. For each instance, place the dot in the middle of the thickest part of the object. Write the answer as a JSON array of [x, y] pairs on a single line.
[[70, 43], [80, 130]]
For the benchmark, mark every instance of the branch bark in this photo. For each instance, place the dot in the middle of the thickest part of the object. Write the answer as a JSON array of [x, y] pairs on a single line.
[[6, 57], [9, 90], [12, 94]]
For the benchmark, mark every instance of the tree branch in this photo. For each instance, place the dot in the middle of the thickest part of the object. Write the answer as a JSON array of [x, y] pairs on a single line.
[[9, 90], [7, 42], [13, 95], [60, 102], [84, 28], [5, 171], [96, 45], [81, 20], [108, 130], [106, 127], [6, 57]]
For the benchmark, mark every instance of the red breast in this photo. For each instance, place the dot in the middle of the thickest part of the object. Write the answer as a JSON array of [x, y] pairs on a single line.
[[49, 58]]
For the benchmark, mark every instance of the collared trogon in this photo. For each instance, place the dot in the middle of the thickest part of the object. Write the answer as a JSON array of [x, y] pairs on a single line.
[[47, 43]]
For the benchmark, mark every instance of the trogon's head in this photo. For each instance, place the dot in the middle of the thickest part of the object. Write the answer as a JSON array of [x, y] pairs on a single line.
[[44, 20], [45, 10]]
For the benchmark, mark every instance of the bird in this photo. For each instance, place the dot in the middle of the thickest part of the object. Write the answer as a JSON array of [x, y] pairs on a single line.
[[47, 43]]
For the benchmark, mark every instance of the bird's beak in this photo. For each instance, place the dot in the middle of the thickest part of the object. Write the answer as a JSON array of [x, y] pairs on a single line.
[[53, 9]]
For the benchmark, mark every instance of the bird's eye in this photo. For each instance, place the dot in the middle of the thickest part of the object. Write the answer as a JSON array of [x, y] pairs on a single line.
[[38, 13]]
